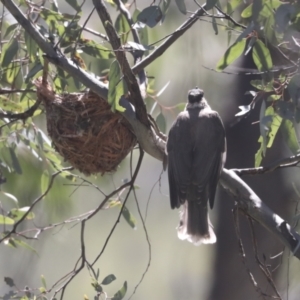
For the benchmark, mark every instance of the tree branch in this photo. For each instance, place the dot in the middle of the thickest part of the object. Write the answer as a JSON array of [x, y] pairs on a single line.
[[252, 205], [169, 41], [279, 164], [129, 77]]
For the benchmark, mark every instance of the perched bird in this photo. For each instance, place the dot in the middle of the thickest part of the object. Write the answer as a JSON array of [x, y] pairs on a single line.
[[196, 149]]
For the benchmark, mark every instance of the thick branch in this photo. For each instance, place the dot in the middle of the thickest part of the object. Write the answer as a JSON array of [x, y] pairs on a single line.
[[129, 77], [251, 204]]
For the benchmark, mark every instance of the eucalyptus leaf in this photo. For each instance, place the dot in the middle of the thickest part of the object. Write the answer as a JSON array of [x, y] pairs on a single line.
[[122, 27], [261, 56], [108, 279], [11, 28], [121, 293], [231, 54], [6, 220], [210, 4], [262, 127], [215, 25], [128, 216], [96, 50], [150, 16], [290, 136], [74, 4], [15, 161], [9, 51], [116, 87], [181, 6], [25, 245]]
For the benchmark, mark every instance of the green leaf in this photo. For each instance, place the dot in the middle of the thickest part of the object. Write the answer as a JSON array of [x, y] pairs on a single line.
[[165, 4], [96, 50], [24, 245], [129, 217], [261, 85], [121, 293], [263, 128], [116, 87], [210, 4], [44, 181], [181, 6], [43, 281], [31, 46], [261, 56], [290, 136], [294, 89], [108, 279], [215, 25], [276, 123], [161, 122], [9, 51], [6, 220], [12, 72], [122, 27], [15, 161], [247, 12], [231, 54], [10, 29], [34, 72], [96, 285], [74, 4], [234, 4], [258, 156], [150, 16], [18, 213]]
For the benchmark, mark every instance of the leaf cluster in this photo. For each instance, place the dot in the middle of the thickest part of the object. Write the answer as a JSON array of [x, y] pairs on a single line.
[[268, 37]]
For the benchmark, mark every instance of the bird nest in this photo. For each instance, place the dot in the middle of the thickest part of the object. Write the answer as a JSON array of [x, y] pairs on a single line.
[[84, 130]]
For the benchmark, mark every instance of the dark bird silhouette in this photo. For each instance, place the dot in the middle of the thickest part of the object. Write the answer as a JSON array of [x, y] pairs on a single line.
[[196, 149]]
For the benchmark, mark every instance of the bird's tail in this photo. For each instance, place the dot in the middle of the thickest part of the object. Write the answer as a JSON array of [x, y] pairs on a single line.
[[195, 225]]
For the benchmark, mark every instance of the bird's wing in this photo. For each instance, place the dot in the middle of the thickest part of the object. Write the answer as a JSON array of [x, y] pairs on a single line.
[[208, 154], [179, 148]]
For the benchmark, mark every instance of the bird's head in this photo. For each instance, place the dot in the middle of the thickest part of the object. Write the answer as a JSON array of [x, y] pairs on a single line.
[[196, 99], [195, 95]]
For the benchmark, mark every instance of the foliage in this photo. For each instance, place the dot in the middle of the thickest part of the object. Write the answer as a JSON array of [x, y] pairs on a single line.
[[269, 36]]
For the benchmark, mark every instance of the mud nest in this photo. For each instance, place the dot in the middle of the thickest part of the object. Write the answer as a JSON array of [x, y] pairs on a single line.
[[84, 130]]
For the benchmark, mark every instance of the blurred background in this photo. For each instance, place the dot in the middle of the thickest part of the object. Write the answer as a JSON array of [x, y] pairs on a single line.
[[178, 270]]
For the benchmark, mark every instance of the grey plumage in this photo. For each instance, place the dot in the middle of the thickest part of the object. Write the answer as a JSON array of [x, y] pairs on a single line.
[[196, 149]]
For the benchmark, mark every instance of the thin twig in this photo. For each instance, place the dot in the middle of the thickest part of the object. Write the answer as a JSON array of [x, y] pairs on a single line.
[[37, 200], [146, 234], [242, 252], [287, 162], [262, 266]]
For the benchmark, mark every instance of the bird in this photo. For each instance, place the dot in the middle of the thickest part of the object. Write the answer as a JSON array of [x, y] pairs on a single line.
[[196, 154]]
